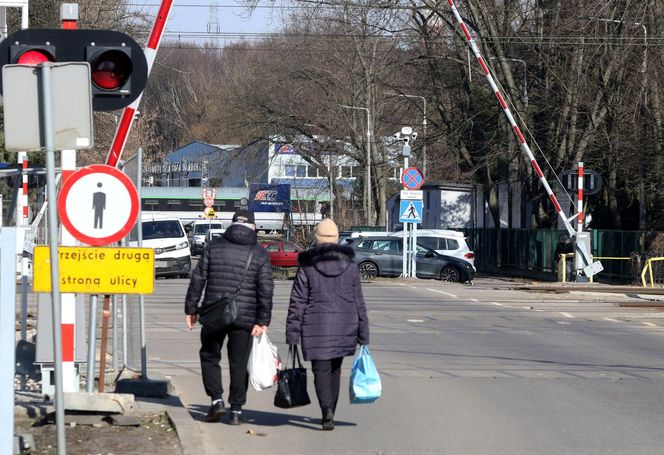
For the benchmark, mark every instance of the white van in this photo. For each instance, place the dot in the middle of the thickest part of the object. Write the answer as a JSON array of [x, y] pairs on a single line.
[[445, 242], [172, 256], [197, 234]]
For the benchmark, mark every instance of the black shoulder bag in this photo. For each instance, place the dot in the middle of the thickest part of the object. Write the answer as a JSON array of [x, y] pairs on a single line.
[[292, 383], [222, 312]]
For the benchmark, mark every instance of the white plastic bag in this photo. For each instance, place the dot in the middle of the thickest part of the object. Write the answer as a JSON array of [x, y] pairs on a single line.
[[263, 363]]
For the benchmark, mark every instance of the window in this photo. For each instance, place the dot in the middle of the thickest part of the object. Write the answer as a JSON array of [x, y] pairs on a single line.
[[345, 172], [301, 170], [289, 248], [356, 171], [386, 245], [428, 242], [272, 247], [289, 170], [452, 244], [364, 245]]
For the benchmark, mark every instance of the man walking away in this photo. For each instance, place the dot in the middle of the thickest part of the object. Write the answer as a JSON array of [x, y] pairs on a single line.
[[219, 272]]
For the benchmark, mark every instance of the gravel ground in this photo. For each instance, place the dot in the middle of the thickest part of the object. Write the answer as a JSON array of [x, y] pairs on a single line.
[[154, 435]]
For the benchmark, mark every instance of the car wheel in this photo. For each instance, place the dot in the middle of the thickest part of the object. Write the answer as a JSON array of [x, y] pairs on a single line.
[[449, 273], [368, 271]]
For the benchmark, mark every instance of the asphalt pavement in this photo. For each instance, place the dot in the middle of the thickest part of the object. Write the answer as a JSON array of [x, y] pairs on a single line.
[[470, 370]]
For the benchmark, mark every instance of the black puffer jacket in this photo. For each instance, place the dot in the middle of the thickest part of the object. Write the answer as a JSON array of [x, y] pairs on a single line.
[[220, 270], [327, 313]]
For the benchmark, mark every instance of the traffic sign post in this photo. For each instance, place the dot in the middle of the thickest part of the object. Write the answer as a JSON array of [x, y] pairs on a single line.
[[98, 204]]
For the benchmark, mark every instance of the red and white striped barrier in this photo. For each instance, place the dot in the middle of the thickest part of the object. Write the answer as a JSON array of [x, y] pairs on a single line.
[[579, 221], [129, 112], [510, 118]]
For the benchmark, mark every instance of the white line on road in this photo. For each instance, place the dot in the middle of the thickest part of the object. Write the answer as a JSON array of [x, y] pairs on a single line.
[[567, 315], [473, 300], [442, 292], [649, 324], [415, 320], [612, 320], [496, 303]]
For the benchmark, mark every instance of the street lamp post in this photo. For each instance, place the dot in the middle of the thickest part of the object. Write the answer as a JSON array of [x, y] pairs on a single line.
[[424, 127], [368, 182], [525, 76]]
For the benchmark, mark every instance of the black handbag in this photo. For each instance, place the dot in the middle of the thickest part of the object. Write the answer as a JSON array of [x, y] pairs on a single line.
[[292, 383], [222, 312]]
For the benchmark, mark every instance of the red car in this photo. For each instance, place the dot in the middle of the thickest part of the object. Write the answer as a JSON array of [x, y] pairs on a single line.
[[282, 254]]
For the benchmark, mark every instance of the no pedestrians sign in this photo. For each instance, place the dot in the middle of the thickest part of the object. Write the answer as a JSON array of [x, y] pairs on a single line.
[[98, 205]]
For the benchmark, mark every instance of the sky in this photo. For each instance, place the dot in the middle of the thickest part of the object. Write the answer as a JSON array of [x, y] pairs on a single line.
[[189, 19]]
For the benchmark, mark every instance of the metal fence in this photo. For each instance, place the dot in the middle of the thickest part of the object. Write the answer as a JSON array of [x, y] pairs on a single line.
[[529, 253]]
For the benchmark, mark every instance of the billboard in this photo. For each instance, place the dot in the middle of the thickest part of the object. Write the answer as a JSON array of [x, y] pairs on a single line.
[[269, 198]]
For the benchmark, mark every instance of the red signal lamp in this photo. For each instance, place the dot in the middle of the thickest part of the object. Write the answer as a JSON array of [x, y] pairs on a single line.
[[34, 57], [110, 69]]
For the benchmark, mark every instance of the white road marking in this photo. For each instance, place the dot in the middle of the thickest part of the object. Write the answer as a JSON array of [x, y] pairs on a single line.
[[442, 292], [496, 303], [473, 300], [649, 324], [415, 320], [612, 320], [567, 315], [563, 322]]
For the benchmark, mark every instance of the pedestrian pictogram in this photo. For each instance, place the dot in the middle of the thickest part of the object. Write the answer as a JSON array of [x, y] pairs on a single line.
[[98, 205], [412, 178], [411, 211]]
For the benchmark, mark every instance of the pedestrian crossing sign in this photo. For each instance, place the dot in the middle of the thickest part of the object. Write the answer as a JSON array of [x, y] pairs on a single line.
[[410, 211]]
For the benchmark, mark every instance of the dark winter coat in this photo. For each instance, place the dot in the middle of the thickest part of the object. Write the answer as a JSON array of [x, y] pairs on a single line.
[[219, 271], [327, 313]]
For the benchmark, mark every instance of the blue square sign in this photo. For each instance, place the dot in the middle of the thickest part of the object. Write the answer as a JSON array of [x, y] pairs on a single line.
[[410, 211]]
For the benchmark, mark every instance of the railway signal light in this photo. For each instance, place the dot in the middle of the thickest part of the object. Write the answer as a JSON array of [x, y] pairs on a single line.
[[118, 68]]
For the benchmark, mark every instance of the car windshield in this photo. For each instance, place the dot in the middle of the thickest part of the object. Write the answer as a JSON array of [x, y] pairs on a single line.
[[161, 229], [201, 229]]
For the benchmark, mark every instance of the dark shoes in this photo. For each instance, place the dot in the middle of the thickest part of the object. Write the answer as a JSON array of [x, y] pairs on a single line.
[[237, 418], [215, 412], [328, 419]]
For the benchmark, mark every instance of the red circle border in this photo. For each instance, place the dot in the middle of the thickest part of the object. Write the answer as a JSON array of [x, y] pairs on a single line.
[[96, 169], [412, 169]]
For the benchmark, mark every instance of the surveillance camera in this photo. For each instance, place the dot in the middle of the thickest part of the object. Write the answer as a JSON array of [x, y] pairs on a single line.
[[414, 135]]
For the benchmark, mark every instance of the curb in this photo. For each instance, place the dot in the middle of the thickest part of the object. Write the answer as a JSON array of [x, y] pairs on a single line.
[[185, 426]]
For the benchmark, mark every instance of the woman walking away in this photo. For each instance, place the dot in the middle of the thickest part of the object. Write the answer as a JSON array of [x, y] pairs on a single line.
[[327, 314]]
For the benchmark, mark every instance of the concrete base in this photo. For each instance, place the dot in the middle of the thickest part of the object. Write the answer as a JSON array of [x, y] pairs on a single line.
[[149, 388], [111, 403]]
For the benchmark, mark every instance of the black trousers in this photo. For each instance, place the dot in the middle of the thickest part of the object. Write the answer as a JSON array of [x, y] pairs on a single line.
[[327, 379], [238, 349]]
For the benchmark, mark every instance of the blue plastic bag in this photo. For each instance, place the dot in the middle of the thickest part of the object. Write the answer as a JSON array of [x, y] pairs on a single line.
[[365, 386]]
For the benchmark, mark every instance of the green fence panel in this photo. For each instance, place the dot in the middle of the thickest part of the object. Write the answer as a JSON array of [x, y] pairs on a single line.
[[527, 250]]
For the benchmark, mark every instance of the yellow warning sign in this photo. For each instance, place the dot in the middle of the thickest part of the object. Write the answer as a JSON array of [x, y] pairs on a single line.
[[96, 270]]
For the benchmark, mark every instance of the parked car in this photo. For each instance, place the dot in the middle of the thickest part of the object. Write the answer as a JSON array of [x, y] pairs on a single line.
[[445, 242], [383, 256], [172, 256], [197, 234], [282, 253]]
